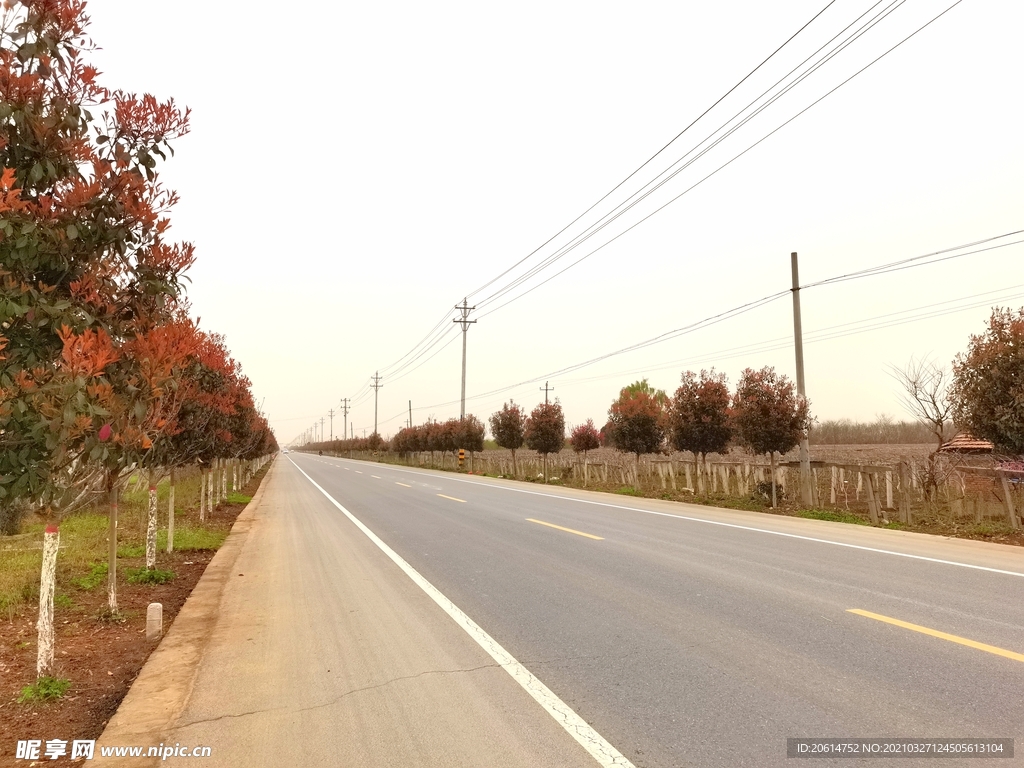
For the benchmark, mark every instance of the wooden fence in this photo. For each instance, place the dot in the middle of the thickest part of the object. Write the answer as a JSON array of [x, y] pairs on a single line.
[[886, 493]]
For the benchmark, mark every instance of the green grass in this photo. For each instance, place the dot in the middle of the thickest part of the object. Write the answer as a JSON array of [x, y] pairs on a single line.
[[97, 575], [60, 600], [629, 490], [833, 517], [44, 689], [187, 538], [148, 576], [132, 550], [238, 498]]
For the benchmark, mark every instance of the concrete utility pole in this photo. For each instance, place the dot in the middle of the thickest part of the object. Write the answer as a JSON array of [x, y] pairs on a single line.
[[344, 410], [410, 414], [545, 389], [798, 339], [376, 386], [321, 429], [331, 414], [465, 322]]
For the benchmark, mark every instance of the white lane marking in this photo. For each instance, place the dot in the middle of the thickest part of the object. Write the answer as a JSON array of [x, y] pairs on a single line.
[[731, 525], [603, 752]]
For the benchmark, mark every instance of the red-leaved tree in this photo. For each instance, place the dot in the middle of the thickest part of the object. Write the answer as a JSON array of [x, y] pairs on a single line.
[[638, 419], [699, 415], [508, 426], [545, 431], [769, 415]]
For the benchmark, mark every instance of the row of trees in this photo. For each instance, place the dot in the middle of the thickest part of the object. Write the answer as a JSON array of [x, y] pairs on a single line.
[[764, 415], [101, 368]]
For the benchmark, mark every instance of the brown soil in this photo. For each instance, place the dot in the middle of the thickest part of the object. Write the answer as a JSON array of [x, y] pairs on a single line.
[[101, 657]]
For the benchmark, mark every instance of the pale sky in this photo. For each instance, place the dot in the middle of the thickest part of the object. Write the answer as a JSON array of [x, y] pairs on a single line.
[[355, 169]]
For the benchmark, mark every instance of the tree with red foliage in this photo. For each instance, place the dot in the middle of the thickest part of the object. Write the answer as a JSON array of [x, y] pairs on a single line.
[[585, 438], [769, 415], [545, 431], [89, 285], [509, 429], [470, 433], [988, 382], [699, 415], [638, 419], [82, 244]]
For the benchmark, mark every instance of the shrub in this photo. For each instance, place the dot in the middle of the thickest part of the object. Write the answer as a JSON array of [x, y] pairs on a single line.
[[44, 689]]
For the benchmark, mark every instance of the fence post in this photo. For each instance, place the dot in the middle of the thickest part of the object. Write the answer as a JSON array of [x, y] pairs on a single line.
[[888, 490], [1011, 513], [872, 509]]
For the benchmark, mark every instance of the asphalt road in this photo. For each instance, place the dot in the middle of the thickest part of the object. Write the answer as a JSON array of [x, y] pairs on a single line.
[[684, 635]]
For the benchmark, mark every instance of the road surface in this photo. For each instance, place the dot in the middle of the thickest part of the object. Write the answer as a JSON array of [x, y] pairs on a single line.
[[683, 635]]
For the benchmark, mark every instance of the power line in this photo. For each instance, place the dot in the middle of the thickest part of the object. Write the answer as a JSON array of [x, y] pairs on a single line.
[[898, 266], [860, 32], [724, 165], [652, 157], [742, 309], [641, 194], [430, 340]]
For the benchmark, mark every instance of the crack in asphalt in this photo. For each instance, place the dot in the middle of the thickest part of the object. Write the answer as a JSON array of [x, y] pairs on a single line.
[[336, 699]]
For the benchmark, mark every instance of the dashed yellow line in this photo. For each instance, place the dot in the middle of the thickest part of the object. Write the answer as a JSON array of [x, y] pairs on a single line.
[[567, 530], [403, 484], [375, 477], [452, 498], [941, 635]]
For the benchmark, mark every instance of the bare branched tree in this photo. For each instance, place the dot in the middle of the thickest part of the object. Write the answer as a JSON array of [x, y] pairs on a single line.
[[925, 396]]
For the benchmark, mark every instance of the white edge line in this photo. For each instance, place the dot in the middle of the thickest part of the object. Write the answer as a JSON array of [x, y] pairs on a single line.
[[728, 525], [603, 752]]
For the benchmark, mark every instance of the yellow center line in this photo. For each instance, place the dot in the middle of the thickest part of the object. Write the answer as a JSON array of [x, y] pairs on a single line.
[[358, 472], [567, 530], [403, 485], [941, 635], [451, 498], [375, 477]]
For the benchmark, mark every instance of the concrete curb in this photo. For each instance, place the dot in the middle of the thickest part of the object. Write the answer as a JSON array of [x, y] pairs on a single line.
[[164, 685]]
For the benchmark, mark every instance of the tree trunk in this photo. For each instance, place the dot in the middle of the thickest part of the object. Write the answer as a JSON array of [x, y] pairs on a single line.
[[202, 494], [44, 626], [170, 513], [774, 497], [112, 546], [515, 474], [151, 522], [224, 480], [545, 467]]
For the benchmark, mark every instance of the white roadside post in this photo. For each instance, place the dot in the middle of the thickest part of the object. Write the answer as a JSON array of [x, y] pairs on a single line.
[[44, 656], [154, 621]]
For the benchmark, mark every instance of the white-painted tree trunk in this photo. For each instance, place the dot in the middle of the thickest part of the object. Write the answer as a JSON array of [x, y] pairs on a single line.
[[224, 480], [170, 513], [112, 551], [44, 627], [202, 494], [151, 522]]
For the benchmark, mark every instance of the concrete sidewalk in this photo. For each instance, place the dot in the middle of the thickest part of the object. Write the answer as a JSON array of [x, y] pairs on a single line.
[[323, 653]]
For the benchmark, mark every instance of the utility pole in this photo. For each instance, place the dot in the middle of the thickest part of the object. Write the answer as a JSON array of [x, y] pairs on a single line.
[[344, 410], [545, 389], [376, 386], [410, 414], [321, 429], [465, 322], [798, 338], [352, 432], [331, 414]]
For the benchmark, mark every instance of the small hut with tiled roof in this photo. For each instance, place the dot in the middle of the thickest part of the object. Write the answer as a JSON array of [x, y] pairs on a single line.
[[967, 443]]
